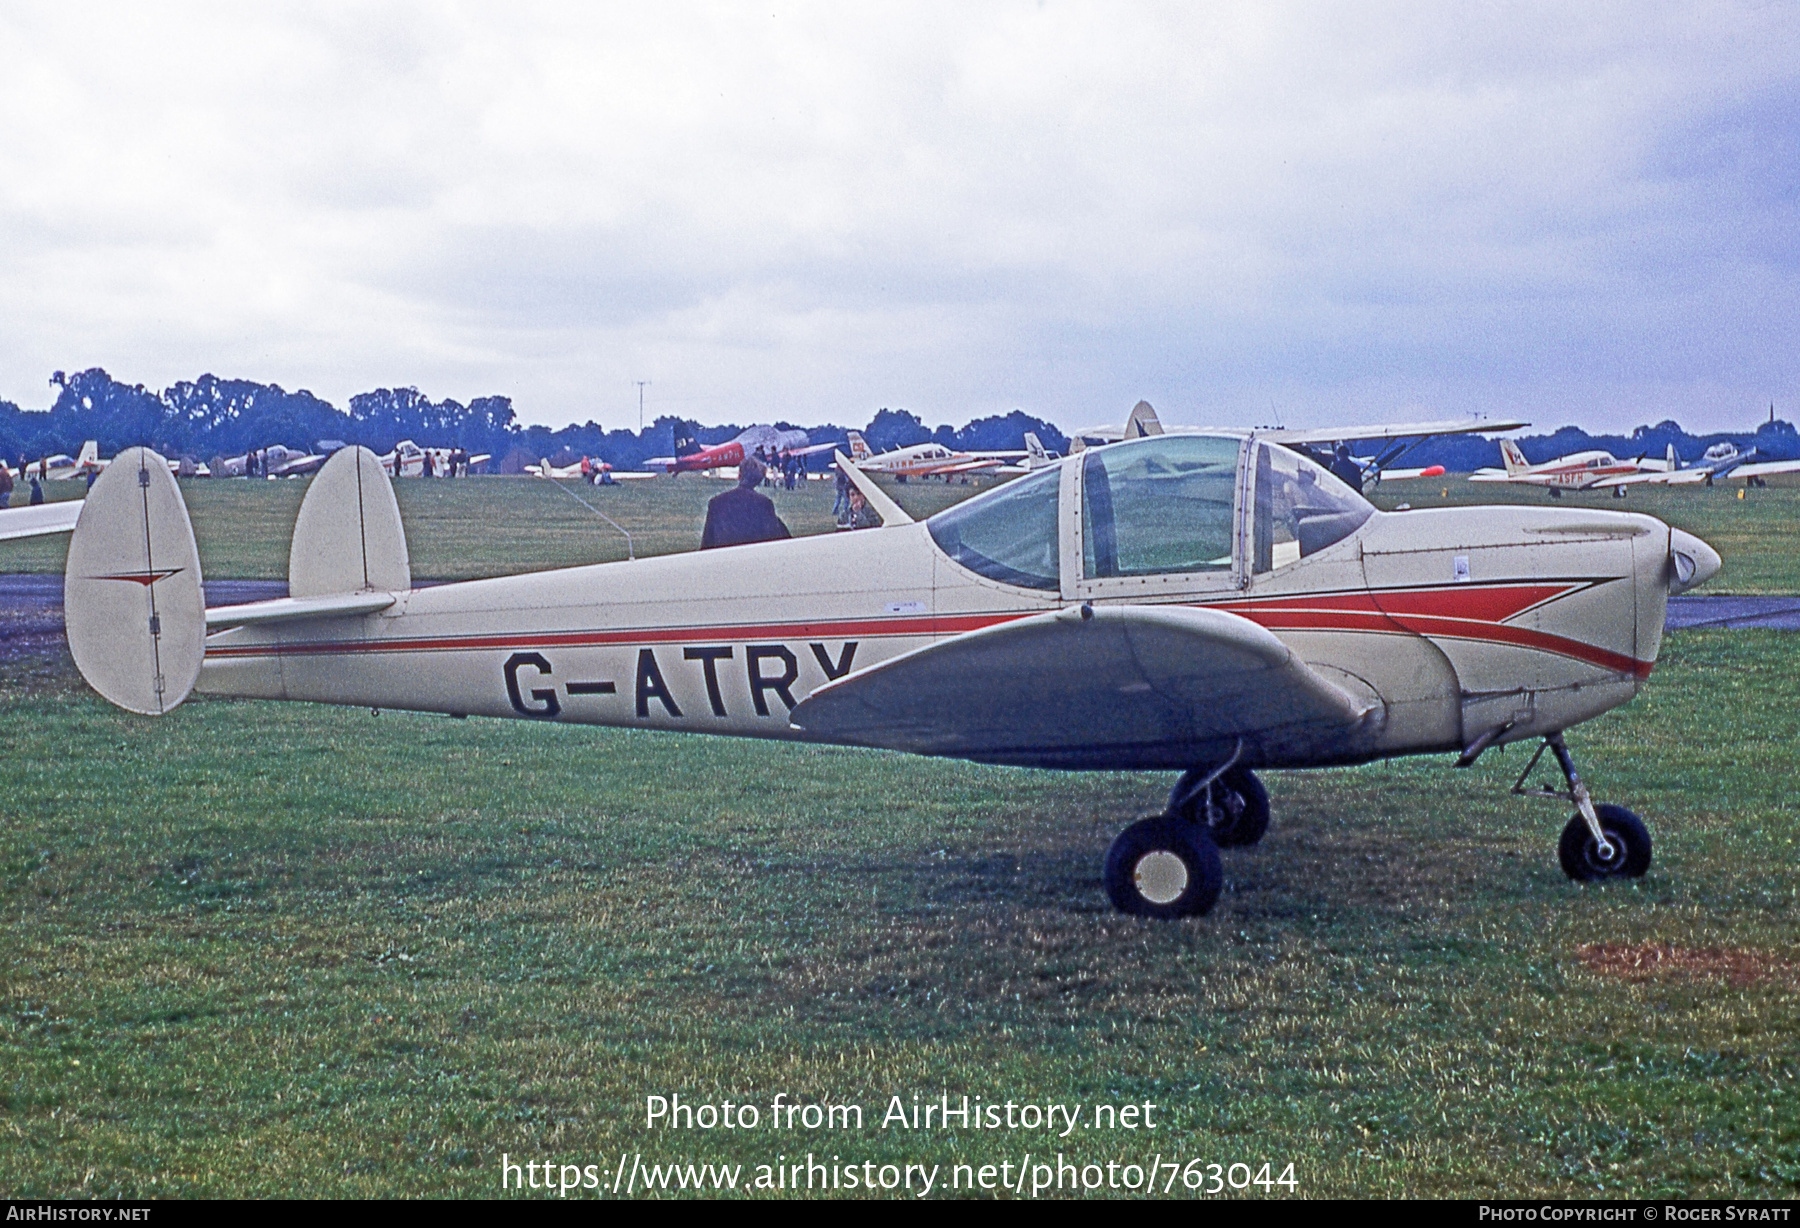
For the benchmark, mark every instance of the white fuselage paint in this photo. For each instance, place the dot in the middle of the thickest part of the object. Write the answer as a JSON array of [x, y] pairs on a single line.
[[1451, 622]]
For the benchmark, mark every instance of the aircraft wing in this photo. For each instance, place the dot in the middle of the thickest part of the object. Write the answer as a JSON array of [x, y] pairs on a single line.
[[967, 466], [1083, 683], [1402, 475], [809, 450], [1763, 469], [59, 517], [1393, 430]]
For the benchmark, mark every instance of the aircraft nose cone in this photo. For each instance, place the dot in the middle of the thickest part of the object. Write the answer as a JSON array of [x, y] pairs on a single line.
[[1691, 561]]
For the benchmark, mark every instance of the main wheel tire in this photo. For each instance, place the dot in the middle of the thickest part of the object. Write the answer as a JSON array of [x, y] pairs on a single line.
[[1580, 852], [1163, 867], [1240, 810]]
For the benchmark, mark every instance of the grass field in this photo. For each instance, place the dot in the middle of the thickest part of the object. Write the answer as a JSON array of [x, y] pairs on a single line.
[[256, 949]]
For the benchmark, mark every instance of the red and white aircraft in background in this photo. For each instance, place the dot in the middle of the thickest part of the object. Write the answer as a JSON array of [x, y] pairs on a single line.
[[934, 460], [765, 442], [1592, 470]]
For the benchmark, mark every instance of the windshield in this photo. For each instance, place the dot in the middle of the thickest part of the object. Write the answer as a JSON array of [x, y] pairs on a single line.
[[1300, 508], [1159, 505], [1008, 534]]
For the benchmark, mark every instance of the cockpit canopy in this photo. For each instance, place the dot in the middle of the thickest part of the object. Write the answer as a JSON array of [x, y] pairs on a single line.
[[1167, 505]]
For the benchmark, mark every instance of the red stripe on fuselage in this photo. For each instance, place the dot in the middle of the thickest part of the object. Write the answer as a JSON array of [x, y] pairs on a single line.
[[1469, 612]]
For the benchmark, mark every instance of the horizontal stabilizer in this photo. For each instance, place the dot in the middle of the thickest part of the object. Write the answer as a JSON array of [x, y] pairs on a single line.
[[132, 601], [293, 609], [36, 521], [1083, 687]]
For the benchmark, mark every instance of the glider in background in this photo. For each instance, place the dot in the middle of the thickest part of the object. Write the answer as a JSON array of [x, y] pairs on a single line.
[[1208, 603]]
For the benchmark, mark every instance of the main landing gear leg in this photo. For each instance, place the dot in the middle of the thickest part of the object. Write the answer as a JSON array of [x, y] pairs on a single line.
[[1601, 841]]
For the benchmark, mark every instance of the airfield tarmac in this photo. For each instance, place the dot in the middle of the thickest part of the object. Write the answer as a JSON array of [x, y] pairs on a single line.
[[277, 948]]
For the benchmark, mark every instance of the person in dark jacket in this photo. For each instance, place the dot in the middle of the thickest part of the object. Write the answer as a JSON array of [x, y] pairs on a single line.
[[742, 515]]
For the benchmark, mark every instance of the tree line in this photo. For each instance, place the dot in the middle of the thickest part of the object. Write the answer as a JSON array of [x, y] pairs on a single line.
[[210, 417]]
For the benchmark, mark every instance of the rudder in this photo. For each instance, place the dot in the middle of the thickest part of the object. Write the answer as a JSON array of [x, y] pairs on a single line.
[[132, 601]]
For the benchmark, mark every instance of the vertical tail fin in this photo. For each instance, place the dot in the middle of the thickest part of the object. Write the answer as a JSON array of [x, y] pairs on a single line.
[[687, 439], [1034, 451], [348, 537], [89, 458], [1516, 463], [1673, 461], [132, 601], [1143, 422], [859, 448]]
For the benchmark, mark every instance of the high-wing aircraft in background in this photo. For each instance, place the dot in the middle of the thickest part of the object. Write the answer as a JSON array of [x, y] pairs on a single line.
[[765, 442], [1212, 603], [1591, 470], [1329, 446]]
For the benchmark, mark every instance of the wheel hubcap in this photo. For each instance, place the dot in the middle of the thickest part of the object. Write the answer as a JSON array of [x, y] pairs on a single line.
[[1606, 864], [1160, 876]]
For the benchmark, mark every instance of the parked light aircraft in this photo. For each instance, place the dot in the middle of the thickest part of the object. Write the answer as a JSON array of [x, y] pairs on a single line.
[[1036, 457], [408, 459], [766, 441], [274, 461], [61, 467], [1328, 446], [934, 460], [587, 468], [1213, 604], [1722, 460], [1591, 470]]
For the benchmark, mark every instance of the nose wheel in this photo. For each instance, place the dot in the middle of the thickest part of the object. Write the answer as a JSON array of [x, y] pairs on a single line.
[[1602, 841]]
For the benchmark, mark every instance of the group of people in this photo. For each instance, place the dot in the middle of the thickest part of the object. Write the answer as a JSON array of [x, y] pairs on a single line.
[[791, 468]]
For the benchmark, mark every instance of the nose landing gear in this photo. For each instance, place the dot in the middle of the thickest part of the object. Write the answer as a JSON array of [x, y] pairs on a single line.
[[1168, 866], [1601, 841]]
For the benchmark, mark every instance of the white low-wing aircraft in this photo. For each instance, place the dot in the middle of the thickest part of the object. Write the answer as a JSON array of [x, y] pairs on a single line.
[[1591, 470], [934, 460], [1721, 461], [409, 460], [1211, 604]]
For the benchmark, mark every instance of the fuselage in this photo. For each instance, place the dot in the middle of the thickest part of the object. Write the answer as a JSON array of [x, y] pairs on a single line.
[[1450, 624]]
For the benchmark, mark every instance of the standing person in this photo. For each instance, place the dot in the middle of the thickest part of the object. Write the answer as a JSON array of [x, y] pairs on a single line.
[[6, 485], [37, 491], [743, 514], [426, 468]]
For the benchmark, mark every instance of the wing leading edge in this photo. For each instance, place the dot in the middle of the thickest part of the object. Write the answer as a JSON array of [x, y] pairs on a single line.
[[1109, 687]]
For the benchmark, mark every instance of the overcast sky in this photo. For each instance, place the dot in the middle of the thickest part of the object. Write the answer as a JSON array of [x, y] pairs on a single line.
[[1328, 213]]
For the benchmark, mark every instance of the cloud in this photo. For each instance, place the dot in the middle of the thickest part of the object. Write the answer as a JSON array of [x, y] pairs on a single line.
[[811, 211]]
